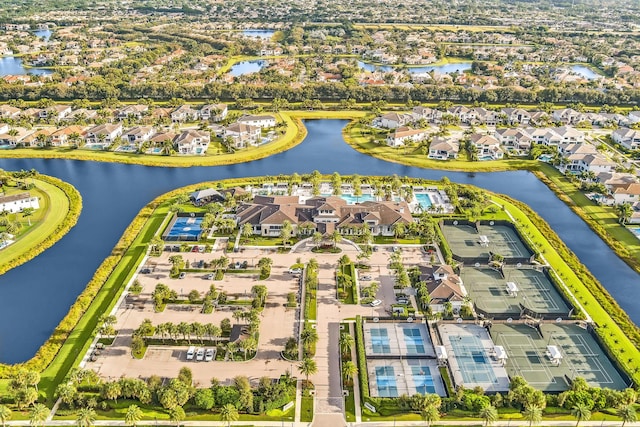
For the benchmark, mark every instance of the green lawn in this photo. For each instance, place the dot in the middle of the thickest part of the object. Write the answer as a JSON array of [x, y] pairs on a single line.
[[54, 207], [306, 409]]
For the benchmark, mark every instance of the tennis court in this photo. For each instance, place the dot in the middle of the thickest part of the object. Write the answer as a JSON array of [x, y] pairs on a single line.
[[582, 356], [469, 348], [184, 228], [397, 339], [465, 242], [488, 290], [395, 377]]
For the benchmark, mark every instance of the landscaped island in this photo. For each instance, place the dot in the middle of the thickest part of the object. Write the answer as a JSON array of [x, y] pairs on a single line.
[[36, 211], [450, 287]]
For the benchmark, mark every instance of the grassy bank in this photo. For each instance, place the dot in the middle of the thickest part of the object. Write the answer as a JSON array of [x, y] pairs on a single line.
[[354, 135], [601, 219], [61, 205], [294, 134]]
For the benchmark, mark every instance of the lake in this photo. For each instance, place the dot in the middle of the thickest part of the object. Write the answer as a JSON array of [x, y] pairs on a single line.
[[10, 65], [259, 34], [37, 295], [448, 68], [45, 34], [248, 67]]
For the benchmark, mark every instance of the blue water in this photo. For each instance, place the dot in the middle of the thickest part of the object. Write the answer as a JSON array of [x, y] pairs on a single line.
[[457, 67], [45, 34], [261, 34], [423, 199], [585, 72], [422, 379], [185, 228], [386, 381], [12, 66], [30, 307], [352, 200], [247, 67], [635, 230]]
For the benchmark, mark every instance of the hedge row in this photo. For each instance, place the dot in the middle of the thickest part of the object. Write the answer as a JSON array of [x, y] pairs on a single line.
[[71, 218], [444, 246], [362, 360]]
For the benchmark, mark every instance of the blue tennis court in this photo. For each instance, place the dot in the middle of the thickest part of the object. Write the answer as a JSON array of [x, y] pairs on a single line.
[[474, 365], [380, 341], [413, 341], [185, 228], [386, 381], [423, 380]]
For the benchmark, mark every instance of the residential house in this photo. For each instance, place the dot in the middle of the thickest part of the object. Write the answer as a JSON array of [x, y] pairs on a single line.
[[516, 140], [402, 135], [37, 138], [517, 116], [138, 135], [569, 135], [193, 142], [9, 112], [444, 287], [18, 202], [424, 113], [66, 135], [484, 116], [258, 121], [394, 120], [55, 112], [242, 134], [136, 112], [214, 112], [14, 140], [184, 113], [103, 135], [634, 116], [488, 147], [465, 114], [628, 138], [567, 116], [81, 114], [443, 149], [625, 193]]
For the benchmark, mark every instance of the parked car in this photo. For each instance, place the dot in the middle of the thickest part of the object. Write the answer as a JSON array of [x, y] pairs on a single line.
[[375, 303], [191, 352], [403, 301], [145, 271], [365, 277], [208, 355], [182, 275], [295, 271], [200, 355], [210, 276]]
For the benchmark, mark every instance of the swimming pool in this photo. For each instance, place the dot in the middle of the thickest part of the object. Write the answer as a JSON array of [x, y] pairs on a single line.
[[423, 200], [185, 228], [380, 341], [635, 231], [352, 200], [413, 341], [422, 379], [386, 381]]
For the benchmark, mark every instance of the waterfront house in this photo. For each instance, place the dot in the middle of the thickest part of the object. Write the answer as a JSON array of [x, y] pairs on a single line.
[[443, 149], [102, 136], [193, 142]]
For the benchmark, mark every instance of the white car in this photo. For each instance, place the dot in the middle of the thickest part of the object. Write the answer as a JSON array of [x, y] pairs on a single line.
[[295, 271], [375, 303], [200, 355], [365, 277], [191, 352], [208, 355]]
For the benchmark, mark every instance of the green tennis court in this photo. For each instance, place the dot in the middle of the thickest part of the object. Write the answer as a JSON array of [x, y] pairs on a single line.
[[465, 241], [526, 348], [488, 290]]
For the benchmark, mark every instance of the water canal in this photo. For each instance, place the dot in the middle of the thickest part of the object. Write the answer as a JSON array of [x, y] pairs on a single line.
[[35, 296]]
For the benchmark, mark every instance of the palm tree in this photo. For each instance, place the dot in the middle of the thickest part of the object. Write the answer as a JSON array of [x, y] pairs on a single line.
[[627, 413], [489, 414], [533, 414], [38, 415], [346, 343], [349, 371], [430, 414], [309, 337], [133, 416], [317, 238], [177, 414], [581, 412], [5, 415], [336, 238], [624, 212], [229, 413], [86, 417], [307, 367]]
